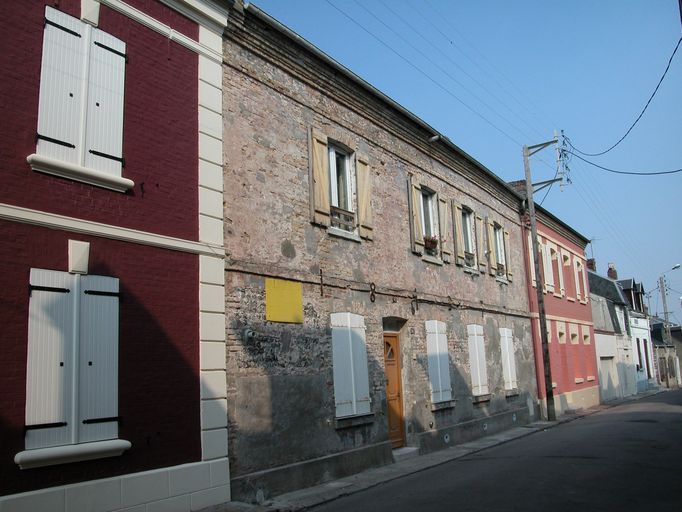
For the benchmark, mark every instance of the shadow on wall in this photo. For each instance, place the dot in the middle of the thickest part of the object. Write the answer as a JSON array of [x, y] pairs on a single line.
[[282, 408], [158, 384]]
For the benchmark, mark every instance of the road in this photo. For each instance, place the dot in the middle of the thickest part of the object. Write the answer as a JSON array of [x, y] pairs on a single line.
[[625, 458]]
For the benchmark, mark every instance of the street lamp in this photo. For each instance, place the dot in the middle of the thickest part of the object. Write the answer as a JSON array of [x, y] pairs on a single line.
[[664, 295]]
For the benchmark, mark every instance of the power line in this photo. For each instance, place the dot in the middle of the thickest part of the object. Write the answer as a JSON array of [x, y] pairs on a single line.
[[638, 117], [426, 75], [631, 173], [458, 66], [492, 66]]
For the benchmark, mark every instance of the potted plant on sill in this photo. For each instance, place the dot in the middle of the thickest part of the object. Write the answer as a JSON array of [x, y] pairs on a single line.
[[431, 244]]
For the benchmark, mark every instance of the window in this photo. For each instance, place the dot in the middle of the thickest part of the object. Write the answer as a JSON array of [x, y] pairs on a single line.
[[479, 372], [498, 244], [72, 368], [580, 283], [340, 188], [80, 112], [466, 238], [508, 359], [428, 214], [349, 359], [429, 229], [439, 361], [573, 330], [547, 267]]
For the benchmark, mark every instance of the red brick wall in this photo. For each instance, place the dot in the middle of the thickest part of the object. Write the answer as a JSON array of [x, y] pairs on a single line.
[[158, 353], [567, 360], [160, 140]]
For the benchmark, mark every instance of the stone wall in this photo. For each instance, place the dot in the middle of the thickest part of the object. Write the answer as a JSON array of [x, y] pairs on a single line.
[[280, 379]]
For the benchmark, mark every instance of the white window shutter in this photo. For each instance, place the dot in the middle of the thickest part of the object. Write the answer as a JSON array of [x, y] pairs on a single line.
[[508, 359], [479, 371], [360, 370], [349, 359], [98, 359], [444, 362], [61, 87], [104, 123], [547, 265], [50, 359], [439, 361]]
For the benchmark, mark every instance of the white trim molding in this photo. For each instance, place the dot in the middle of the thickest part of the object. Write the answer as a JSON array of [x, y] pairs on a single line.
[[49, 165], [87, 227], [201, 13], [70, 453]]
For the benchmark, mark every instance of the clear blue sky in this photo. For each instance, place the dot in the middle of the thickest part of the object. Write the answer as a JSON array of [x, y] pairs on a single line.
[[493, 75]]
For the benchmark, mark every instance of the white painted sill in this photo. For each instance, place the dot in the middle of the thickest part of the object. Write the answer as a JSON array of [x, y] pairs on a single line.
[[343, 234], [501, 280], [432, 259], [40, 457], [48, 165]]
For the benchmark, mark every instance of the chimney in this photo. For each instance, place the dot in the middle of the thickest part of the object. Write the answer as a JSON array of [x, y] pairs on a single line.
[[592, 264], [611, 272]]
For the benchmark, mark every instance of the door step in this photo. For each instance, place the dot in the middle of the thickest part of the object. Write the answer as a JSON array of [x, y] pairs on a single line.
[[407, 452]]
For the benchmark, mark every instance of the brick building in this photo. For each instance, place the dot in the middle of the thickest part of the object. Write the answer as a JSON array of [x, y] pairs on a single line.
[[112, 368], [375, 279], [570, 330]]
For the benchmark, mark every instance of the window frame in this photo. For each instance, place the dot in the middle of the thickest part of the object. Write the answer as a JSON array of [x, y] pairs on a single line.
[[469, 237], [428, 201]]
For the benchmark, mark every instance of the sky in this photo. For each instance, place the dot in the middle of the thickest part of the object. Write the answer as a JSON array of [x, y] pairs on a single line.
[[493, 75]]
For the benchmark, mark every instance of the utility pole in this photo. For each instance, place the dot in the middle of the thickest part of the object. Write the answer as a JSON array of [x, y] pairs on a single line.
[[549, 391], [664, 298]]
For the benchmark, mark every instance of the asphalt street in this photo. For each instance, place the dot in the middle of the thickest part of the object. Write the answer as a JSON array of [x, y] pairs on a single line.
[[625, 458]]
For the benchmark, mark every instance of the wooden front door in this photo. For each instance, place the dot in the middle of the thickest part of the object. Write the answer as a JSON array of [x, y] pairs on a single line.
[[394, 398]]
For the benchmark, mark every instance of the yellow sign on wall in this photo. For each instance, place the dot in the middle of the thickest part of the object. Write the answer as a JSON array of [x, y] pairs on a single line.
[[283, 301]]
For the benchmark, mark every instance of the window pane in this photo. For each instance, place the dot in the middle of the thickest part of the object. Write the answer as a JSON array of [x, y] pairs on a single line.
[[466, 227], [427, 220], [342, 180]]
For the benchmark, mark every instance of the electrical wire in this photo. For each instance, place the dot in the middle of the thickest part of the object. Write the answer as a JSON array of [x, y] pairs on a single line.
[[638, 117], [422, 72], [413, 29], [631, 173]]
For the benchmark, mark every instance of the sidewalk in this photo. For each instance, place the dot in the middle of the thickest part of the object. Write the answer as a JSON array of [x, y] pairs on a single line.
[[305, 498]]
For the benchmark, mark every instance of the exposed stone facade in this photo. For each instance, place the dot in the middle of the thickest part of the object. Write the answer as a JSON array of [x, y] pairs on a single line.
[[281, 404]]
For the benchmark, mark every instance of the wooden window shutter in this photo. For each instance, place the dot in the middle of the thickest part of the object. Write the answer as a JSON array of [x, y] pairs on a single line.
[[62, 88], [480, 244], [531, 259], [414, 193], [507, 255], [98, 365], [446, 234], [104, 123], [492, 253], [50, 365], [364, 178], [459, 233], [319, 178]]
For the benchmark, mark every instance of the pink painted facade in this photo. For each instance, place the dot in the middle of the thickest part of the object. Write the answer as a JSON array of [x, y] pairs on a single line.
[[569, 315], [152, 239]]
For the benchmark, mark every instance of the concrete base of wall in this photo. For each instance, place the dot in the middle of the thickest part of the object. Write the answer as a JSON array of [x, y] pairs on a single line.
[[262, 485], [574, 401], [446, 437]]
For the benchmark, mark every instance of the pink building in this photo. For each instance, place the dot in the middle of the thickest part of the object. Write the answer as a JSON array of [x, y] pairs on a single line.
[[570, 330], [112, 369]]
